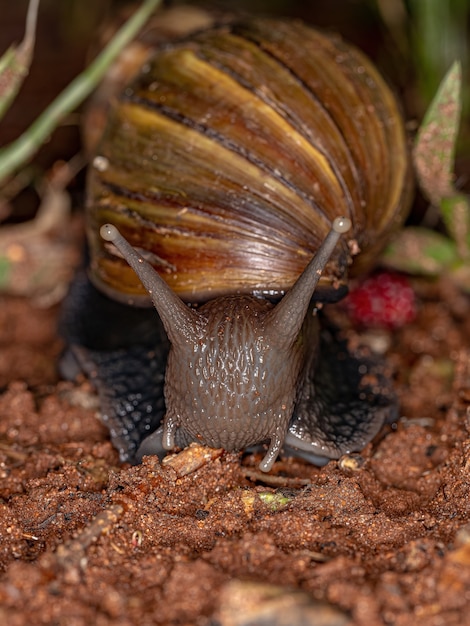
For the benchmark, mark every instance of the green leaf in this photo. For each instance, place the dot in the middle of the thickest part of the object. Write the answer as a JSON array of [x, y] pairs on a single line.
[[274, 501], [418, 250], [434, 149], [5, 61], [456, 215]]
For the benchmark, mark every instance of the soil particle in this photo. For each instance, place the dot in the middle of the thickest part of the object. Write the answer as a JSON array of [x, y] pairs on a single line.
[[381, 541]]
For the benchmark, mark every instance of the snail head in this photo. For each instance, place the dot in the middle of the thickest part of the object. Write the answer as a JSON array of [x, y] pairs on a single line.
[[236, 362]]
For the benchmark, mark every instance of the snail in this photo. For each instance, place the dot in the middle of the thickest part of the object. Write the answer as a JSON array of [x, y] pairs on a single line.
[[248, 171]]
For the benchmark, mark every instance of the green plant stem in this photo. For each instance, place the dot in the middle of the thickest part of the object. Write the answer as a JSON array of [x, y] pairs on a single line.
[[18, 152], [439, 39], [15, 63]]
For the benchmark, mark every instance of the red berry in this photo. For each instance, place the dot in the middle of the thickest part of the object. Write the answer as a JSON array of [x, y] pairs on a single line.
[[384, 300]]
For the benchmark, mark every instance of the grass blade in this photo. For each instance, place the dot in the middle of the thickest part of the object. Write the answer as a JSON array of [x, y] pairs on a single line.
[[18, 152]]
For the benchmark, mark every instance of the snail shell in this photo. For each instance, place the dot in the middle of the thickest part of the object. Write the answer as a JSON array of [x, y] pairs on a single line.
[[227, 159], [226, 165]]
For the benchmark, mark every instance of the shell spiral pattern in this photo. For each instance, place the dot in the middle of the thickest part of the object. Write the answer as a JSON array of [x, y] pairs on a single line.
[[227, 159]]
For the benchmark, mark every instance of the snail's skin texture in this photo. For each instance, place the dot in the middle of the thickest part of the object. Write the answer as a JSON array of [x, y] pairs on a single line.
[[225, 165], [341, 406], [240, 371]]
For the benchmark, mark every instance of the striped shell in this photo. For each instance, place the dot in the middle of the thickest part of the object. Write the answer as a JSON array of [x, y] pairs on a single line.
[[230, 155]]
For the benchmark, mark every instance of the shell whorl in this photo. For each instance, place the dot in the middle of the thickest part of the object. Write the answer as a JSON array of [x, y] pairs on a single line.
[[227, 159]]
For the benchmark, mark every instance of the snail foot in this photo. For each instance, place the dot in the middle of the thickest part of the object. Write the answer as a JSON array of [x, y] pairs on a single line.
[[347, 397]]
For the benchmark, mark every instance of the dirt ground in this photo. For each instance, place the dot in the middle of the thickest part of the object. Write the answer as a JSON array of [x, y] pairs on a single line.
[[379, 538]]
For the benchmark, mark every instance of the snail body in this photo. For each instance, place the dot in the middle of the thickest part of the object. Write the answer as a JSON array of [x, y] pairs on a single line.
[[231, 159]]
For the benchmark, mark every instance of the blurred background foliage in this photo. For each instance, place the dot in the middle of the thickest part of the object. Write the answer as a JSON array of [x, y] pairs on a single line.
[[413, 42]]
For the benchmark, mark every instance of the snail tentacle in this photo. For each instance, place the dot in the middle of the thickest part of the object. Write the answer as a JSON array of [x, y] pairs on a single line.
[[274, 449], [181, 323], [287, 317], [170, 428]]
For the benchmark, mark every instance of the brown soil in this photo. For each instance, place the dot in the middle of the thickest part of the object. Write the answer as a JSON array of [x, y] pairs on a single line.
[[380, 538]]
